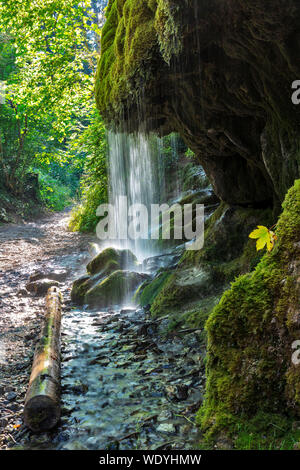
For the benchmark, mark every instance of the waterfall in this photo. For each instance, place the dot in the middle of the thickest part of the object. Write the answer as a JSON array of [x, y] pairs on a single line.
[[134, 170]]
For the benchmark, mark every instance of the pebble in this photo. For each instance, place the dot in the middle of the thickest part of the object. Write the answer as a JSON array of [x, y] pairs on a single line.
[[11, 396], [166, 427]]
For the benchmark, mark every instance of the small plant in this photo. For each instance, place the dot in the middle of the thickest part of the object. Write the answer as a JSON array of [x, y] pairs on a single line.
[[264, 237]]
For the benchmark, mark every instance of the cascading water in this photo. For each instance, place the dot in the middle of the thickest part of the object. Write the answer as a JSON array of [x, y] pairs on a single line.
[[134, 173]]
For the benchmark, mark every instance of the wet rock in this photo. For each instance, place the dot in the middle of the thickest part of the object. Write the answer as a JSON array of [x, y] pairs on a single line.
[[177, 392], [224, 443], [62, 437], [166, 427], [126, 311], [154, 263], [114, 289], [78, 388], [22, 293], [82, 285], [110, 260], [36, 276], [41, 287], [79, 289], [3, 422], [11, 396], [113, 446], [13, 407], [75, 445], [58, 275], [164, 415]]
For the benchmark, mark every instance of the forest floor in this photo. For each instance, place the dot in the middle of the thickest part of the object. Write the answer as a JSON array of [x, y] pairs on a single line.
[[125, 384]]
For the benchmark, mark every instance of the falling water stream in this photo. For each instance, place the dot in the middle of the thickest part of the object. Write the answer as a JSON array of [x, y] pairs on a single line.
[[134, 173], [124, 384]]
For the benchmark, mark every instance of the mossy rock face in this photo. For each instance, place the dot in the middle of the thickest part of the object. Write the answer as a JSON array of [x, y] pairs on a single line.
[[149, 290], [110, 260], [133, 30], [251, 332], [208, 272], [224, 84], [114, 289], [181, 288]]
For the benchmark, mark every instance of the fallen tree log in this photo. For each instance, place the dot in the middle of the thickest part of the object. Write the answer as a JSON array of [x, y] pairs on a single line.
[[42, 402]]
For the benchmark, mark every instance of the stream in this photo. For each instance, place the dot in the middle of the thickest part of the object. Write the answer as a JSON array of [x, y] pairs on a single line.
[[126, 383]]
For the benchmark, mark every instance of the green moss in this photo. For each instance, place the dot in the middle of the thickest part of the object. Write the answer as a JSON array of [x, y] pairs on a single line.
[[133, 30], [79, 289], [114, 289], [197, 316], [149, 291], [250, 334], [227, 253], [110, 260], [169, 298]]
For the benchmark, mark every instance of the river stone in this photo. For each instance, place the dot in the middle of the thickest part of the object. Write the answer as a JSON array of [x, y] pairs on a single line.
[[41, 287], [11, 396], [166, 427], [85, 283], [120, 259], [79, 289], [56, 275], [162, 261], [115, 289]]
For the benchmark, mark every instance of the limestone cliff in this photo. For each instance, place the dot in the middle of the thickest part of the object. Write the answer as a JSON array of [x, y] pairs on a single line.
[[217, 72]]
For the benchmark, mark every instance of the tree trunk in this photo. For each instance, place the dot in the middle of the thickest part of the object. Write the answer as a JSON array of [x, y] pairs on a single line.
[[42, 403]]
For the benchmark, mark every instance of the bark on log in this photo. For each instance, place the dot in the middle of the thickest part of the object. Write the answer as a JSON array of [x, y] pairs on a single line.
[[42, 402]]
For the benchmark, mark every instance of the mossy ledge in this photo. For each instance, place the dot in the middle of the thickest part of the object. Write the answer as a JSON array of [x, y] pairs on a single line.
[[134, 32], [219, 74], [250, 336]]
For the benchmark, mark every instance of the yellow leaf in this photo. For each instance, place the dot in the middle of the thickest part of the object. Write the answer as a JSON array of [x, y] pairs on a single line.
[[259, 232], [261, 243], [264, 237]]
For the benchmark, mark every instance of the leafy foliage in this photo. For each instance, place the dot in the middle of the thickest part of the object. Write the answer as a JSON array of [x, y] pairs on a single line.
[[94, 181], [47, 62], [54, 194]]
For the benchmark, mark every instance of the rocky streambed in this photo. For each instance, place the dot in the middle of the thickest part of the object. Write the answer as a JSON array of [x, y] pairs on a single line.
[[127, 383]]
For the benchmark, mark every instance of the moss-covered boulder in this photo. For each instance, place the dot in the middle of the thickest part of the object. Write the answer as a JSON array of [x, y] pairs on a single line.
[[116, 289], [79, 289], [110, 260], [251, 333], [181, 288], [86, 282], [101, 267]]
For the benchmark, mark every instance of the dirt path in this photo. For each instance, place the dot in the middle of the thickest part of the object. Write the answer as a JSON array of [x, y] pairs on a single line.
[[43, 246]]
